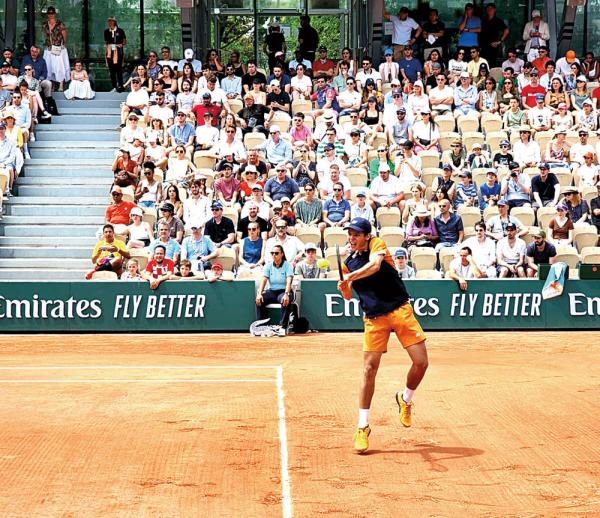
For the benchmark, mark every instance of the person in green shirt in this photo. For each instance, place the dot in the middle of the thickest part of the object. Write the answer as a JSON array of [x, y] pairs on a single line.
[[382, 155]]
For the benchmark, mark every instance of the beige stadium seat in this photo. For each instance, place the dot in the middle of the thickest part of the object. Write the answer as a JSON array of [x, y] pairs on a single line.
[[428, 275], [388, 217], [204, 162], [542, 138], [589, 193], [236, 105], [105, 276], [333, 274], [565, 177], [335, 236], [496, 73], [429, 158], [251, 140], [567, 255], [447, 138], [544, 215], [209, 174], [479, 176], [471, 137], [585, 237], [386, 87], [227, 258], [491, 123], [380, 140], [590, 255], [393, 236], [423, 258], [490, 211], [525, 215], [255, 273], [493, 139], [301, 106], [430, 174], [446, 256], [308, 234], [232, 214], [469, 216], [467, 124], [445, 124], [141, 256], [357, 176], [4, 179], [528, 238], [331, 256], [150, 216]]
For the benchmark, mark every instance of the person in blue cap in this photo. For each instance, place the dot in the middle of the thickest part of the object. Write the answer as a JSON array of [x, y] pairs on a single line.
[[369, 269]]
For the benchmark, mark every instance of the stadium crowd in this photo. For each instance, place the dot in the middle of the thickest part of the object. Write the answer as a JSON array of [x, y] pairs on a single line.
[[474, 163]]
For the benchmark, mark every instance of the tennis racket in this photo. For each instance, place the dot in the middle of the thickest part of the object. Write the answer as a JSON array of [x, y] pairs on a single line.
[[339, 262]]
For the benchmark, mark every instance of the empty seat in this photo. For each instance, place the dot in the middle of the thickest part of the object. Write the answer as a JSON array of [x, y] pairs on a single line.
[[544, 215], [335, 236], [308, 234], [393, 236], [584, 237], [567, 255], [357, 176], [590, 255], [423, 258], [428, 275], [227, 258], [490, 211], [525, 215], [388, 216], [141, 256], [469, 216], [468, 124], [446, 256], [105, 276], [429, 158]]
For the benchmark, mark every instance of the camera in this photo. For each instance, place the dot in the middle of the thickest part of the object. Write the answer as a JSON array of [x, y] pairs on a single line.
[[513, 174]]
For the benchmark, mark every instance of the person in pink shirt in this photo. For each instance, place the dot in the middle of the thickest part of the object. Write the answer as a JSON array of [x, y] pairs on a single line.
[[227, 188], [300, 132]]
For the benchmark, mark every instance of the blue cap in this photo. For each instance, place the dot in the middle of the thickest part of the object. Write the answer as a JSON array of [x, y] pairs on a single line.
[[388, 52], [216, 205], [359, 224], [401, 252]]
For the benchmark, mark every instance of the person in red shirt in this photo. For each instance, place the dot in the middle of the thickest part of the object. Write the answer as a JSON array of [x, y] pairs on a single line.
[[207, 106], [531, 90], [540, 62], [117, 213], [323, 66], [158, 268]]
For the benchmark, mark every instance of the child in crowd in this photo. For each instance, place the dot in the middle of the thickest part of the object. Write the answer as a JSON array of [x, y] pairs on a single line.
[[133, 271]]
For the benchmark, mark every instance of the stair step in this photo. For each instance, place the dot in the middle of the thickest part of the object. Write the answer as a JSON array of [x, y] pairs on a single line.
[[68, 252], [57, 231], [59, 200], [85, 119], [114, 104], [46, 263], [66, 219], [100, 96], [78, 164], [76, 144], [65, 173], [105, 181], [66, 110], [48, 242], [62, 190], [41, 274], [55, 210], [69, 155]]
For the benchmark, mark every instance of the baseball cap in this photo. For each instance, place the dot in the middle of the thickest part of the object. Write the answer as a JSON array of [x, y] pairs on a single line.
[[361, 192], [492, 171], [504, 142], [274, 129], [584, 131], [562, 207], [447, 167], [116, 188], [217, 266], [535, 13], [180, 111], [535, 72], [475, 145], [418, 82], [226, 165], [401, 252], [588, 101], [383, 167], [250, 169], [465, 174], [514, 165], [216, 205], [274, 82], [372, 99], [208, 114], [538, 233], [563, 106], [388, 52], [206, 95], [511, 226], [527, 64], [425, 109], [2, 125], [167, 206], [5, 64], [543, 165], [354, 131], [395, 82], [570, 56], [284, 199], [327, 147], [322, 48], [396, 91], [402, 109], [359, 224], [310, 246], [196, 223], [581, 79], [502, 203], [277, 204], [539, 97], [188, 53], [136, 211], [571, 190], [257, 187], [464, 74]]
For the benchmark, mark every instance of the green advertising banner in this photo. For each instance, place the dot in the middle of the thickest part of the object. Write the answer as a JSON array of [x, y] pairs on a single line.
[[126, 307], [488, 304], [121, 307]]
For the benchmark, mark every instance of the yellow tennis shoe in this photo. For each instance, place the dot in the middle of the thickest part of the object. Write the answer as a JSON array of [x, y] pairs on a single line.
[[361, 439], [405, 410]]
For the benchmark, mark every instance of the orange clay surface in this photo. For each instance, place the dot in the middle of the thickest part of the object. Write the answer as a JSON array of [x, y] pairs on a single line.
[[505, 424]]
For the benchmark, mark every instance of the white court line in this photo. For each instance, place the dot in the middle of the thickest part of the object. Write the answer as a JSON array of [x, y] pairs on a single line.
[[286, 492], [130, 367], [174, 380], [285, 476]]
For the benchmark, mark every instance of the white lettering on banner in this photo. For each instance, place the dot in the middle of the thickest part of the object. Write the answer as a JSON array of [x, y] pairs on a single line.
[[48, 308], [351, 307], [175, 306], [582, 306], [122, 306], [426, 307], [511, 304], [463, 304]]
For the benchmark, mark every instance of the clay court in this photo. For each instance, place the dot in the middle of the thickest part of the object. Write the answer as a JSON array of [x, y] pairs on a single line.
[[505, 424]]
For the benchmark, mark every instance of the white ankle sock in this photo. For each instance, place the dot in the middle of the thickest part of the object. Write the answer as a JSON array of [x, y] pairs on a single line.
[[363, 417], [407, 395]]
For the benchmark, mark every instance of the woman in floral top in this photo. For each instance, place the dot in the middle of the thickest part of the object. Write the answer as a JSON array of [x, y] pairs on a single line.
[[55, 54]]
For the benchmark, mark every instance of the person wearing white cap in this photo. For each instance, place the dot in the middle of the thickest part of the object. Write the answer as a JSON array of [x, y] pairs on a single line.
[[197, 248], [417, 101], [276, 149], [188, 57], [140, 233], [478, 158], [465, 96], [425, 132], [536, 34], [587, 118], [308, 267], [360, 208], [278, 102], [386, 189]]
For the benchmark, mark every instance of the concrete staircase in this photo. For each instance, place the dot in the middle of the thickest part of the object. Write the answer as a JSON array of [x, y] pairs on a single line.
[[49, 226]]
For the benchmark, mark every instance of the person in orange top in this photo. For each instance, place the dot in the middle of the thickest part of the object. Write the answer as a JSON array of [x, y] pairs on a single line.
[[370, 271], [117, 213], [540, 62]]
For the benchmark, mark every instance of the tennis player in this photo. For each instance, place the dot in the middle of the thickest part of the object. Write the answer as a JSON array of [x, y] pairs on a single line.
[[370, 271]]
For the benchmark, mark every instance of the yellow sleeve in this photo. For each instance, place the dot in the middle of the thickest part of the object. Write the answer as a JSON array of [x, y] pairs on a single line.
[[120, 245]]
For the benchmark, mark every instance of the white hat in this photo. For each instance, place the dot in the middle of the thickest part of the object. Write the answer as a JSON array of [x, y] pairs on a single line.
[[250, 169], [464, 74], [284, 199], [421, 210], [418, 82], [475, 145], [274, 82], [277, 204], [136, 211], [188, 53], [384, 167], [274, 128], [195, 223], [535, 13]]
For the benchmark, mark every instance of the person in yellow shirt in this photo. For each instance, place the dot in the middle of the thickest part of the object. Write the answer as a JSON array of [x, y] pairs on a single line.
[[108, 253]]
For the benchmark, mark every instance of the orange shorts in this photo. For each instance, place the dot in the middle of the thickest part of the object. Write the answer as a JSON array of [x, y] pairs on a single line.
[[401, 321]]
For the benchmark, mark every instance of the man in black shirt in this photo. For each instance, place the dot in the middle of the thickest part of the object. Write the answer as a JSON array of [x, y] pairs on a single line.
[[252, 217], [545, 188], [539, 252], [433, 27], [250, 76], [274, 43], [493, 33], [308, 39], [252, 116], [278, 101], [219, 228]]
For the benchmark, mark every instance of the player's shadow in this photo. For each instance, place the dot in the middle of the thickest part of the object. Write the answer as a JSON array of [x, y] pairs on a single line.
[[433, 455]]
